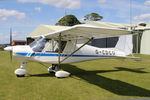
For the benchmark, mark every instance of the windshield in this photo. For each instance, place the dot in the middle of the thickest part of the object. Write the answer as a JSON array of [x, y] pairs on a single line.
[[38, 45], [46, 45]]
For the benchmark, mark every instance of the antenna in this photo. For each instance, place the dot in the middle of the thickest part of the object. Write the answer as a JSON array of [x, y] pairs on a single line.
[[65, 12], [131, 14], [137, 36], [131, 20]]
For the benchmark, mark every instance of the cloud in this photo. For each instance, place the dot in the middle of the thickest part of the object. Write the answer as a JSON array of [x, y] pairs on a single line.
[[142, 17], [37, 9], [101, 1], [120, 10], [4, 14], [115, 9], [19, 35], [1, 34], [16, 35], [147, 3], [4, 18], [68, 4], [4, 38]]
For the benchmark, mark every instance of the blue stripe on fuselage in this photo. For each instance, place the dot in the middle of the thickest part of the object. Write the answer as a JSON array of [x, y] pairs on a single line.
[[62, 55]]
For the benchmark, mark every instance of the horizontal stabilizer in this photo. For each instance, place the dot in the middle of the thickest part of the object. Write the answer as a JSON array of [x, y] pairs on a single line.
[[134, 58]]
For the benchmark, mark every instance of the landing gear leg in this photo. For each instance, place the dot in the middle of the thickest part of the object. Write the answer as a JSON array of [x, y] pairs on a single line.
[[53, 68], [21, 71]]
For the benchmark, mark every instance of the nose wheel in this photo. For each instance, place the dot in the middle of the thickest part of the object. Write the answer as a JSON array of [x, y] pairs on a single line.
[[21, 72]]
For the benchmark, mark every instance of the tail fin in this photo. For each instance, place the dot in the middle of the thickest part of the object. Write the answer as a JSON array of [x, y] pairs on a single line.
[[125, 44]]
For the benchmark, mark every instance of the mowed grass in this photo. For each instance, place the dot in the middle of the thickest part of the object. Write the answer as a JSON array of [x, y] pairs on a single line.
[[92, 80]]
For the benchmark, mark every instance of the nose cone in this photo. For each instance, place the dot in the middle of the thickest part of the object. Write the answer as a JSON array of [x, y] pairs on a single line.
[[8, 48]]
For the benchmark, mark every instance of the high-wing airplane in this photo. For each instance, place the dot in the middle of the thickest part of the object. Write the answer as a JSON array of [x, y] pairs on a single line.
[[68, 45]]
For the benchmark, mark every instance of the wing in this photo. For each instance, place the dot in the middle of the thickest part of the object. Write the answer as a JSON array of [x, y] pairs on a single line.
[[84, 31]]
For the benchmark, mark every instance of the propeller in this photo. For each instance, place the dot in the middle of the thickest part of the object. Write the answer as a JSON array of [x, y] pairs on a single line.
[[11, 44], [10, 48]]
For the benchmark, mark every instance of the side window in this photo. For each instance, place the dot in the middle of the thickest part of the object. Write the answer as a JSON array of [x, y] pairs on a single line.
[[53, 46], [63, 45]]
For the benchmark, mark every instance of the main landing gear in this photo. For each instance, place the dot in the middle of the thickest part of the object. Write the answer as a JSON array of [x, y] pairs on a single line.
[[21, 71], [55, 68]]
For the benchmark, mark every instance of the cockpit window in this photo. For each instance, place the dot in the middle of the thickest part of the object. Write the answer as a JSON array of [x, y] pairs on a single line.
[[38, 45], [44, 45]]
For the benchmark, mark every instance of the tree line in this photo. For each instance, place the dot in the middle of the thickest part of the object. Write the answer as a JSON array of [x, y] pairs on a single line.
[[70, 20]]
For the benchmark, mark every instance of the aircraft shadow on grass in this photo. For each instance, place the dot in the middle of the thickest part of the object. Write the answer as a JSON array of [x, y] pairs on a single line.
[[115, 86]]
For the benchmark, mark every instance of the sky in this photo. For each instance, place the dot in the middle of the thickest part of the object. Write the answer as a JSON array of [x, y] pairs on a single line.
[[23, 16]]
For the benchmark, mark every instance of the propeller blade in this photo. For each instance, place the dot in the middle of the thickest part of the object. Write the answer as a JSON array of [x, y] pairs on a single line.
[[11, 44], [10, 36], [11, 56]]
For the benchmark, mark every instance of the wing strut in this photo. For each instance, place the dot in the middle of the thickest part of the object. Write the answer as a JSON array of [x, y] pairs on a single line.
[[59, 52], [77, 49]]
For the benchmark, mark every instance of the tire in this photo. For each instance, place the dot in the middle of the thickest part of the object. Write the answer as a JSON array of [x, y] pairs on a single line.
[[20, 75]]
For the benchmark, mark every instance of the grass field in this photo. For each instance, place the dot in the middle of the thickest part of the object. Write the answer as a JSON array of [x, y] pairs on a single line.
[[92, 80]]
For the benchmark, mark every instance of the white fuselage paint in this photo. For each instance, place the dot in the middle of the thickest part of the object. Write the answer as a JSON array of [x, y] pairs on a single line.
[[25, 54]]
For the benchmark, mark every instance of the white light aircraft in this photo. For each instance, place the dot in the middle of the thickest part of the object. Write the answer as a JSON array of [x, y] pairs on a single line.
[[67, 46]]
